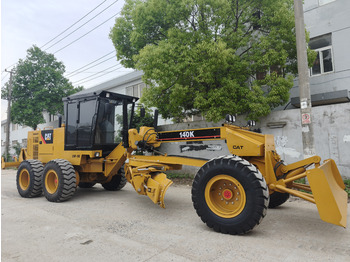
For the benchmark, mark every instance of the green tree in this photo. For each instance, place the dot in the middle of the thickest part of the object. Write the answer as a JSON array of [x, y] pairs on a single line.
[[206, 56], [17, 147], [38, 85]]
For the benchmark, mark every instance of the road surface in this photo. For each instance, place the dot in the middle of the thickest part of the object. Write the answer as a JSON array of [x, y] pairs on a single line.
[[97, 225]]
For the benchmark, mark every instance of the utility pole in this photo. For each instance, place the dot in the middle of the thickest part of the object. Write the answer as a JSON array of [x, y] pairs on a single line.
[[304, 84], [8, 120]]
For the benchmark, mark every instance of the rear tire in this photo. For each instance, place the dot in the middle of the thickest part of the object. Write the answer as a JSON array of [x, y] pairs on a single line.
[[230, 195], [59, 180], [117, 182], [28, 178], [277, 199]]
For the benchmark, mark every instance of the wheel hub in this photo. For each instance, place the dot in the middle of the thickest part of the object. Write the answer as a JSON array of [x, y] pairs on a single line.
[[51, 182], [225, 196], [24, 179]]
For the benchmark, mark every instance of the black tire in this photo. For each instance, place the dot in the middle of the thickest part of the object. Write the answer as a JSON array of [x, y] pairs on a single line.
[[248, 206], [28, 178], [277, 199], [59, 180], [86, 184], [117, 182]]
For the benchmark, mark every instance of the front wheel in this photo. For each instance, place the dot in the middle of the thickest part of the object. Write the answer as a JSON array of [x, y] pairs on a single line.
[[277, 199], [230, 195], [117, 182]]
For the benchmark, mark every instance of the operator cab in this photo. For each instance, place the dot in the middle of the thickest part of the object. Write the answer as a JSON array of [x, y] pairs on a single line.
[[90, 120]]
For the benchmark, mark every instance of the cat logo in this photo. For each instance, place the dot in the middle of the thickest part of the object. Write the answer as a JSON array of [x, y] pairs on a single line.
[[47, 136], [237, 147]]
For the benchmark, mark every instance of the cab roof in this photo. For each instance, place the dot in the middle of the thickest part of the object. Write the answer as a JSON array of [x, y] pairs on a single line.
[[102, 94]]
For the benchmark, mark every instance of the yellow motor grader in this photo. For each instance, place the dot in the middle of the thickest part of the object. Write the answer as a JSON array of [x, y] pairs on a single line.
[[230, 193]]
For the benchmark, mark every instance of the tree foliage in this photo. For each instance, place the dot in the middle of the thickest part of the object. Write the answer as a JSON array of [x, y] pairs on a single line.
[[205, 56], [38, 85]]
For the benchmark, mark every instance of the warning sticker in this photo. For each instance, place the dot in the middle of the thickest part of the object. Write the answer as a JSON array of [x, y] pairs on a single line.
[[305, 118]]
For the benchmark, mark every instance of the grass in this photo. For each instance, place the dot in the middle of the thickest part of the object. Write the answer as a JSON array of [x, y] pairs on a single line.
[[347, 186], [171, 175], [301, 180]]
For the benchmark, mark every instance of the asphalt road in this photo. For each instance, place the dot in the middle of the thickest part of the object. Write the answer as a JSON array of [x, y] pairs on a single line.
[[97, 225]]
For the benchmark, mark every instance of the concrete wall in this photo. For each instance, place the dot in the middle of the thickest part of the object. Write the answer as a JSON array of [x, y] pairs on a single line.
[[320, 20], [331, 127]]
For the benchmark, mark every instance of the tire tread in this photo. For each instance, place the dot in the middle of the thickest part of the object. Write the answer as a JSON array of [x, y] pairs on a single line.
[[258, 184], [65, 168]]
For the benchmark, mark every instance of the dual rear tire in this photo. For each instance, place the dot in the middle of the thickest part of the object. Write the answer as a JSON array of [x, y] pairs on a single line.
[[57, 180]]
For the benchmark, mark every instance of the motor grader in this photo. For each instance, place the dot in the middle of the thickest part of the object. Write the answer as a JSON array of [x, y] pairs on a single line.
[[230, 193]]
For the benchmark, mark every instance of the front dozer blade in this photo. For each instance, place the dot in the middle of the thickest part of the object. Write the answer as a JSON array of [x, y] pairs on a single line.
[[328, 190], [157, 185]]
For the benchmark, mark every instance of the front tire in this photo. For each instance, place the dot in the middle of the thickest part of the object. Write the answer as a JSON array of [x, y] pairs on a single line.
[[277, 199], [59, 180], [117, 182], [230, 195], [28, 178]]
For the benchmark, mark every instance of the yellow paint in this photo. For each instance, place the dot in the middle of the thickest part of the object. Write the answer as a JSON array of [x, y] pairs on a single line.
[[328, 190], [225, 196], [24, 179], [51, 181]]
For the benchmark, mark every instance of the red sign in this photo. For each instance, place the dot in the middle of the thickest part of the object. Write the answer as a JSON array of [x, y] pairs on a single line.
[[305, 118]]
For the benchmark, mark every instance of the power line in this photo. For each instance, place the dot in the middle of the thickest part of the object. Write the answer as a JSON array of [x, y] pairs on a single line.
[[69, 74], [96, 73], [73, 24], [86, 33], [102, 75], [81, 25], [104, 70], [113, 57], [5, 76], [11, 66]]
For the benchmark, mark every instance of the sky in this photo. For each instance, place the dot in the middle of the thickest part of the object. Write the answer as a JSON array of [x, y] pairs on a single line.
[[37, 22]]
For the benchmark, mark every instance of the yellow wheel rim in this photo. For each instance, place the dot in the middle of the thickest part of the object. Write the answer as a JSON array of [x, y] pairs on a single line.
[[51, 181], [24, 179], [225, 196]]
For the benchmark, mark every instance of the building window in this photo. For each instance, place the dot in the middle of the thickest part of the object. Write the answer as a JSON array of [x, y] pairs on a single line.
[[324, 60], [14, 127], [273, 69], [135, 90], [2, 143]]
